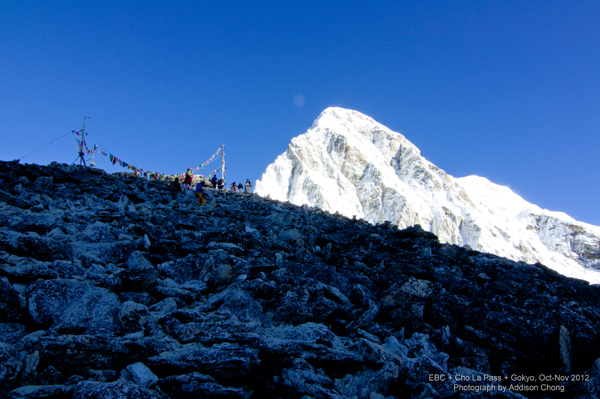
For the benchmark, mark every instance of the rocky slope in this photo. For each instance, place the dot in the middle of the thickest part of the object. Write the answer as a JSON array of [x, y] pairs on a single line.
[[107, 290], [348, 163]]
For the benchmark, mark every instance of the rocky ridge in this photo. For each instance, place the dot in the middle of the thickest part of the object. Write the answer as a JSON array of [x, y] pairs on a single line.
[[348, 163], [109, 290]]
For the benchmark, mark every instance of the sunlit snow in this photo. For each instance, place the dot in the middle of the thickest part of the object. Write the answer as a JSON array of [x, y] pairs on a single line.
[[350, 164]]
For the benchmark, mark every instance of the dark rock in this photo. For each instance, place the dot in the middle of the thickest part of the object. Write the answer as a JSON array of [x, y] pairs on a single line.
[[71, 306], [10, 306], [238, 303], [135, 317], [25, 269], [42, 391], [12, 333], [101, 375], [42, 248], [200, 386], [99, 232], [104, 253], [224, 360], [94, 352], [14, 201], [142, 375], [10, 365], [114, 390], [143, 298], [140, 273], [262, 298]]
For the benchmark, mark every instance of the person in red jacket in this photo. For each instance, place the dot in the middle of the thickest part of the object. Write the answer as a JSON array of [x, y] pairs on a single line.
[[188, 179]]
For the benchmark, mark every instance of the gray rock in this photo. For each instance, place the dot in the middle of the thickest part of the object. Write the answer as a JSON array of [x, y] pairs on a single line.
[[304, 379], [10, 365], [30, 363], [224, 360], [169, 288], [135, 317], [141, 374], [200, 386], [140, 273], [29, 269], [103, 253], [43, 183], [44, 248], [93, 352], [262, 297], [114, 390], [73, 306], [10, 306], [42, 391], [238, 303], [98, 232]]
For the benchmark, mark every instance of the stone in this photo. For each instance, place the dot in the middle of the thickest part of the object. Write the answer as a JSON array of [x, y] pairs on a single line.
[[30, 363], [240, 304], [93, 352], [10, 365], [141, 374], [114, 390], [135, 317], [42, 391], [200, 386], [140, 273], [10, 305], [261, 298], [73, 306], [221, 360], [98, 232]]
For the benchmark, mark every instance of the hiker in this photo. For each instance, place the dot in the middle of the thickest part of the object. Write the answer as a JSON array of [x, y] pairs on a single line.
[[233, 187], [214, 181], [188, 179], [221, 184], [240, 187], [200, 193], [175, 189], [247, 188]]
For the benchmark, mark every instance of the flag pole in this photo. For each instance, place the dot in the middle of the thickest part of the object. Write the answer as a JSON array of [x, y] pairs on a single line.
[[83, 144], [223, 163]]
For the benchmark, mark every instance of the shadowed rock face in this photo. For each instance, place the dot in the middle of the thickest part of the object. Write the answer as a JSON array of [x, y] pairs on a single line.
[[107, 289]]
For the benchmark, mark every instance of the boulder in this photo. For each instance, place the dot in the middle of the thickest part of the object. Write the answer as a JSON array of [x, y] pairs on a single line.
[[142, 375], [114, 390], [10, 365], [224, 360], [140, 273], [98, 232], [200, 386], [43, 248], [95, 352], [42, 391], [135, 317], [72, 306], [262, 298], [10, 306]]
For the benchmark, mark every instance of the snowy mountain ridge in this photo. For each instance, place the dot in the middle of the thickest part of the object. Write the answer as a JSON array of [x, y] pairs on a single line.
[[348, 163]]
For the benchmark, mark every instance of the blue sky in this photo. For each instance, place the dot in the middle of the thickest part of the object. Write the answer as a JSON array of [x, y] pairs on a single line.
[[508, 90]]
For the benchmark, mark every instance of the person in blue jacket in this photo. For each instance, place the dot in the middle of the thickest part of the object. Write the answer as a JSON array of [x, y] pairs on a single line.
[[200, 193]]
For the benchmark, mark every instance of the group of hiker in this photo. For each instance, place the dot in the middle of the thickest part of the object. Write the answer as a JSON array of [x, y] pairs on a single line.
[[177, 187]]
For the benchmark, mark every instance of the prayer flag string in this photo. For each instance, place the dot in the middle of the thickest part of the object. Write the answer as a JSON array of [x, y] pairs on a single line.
[[145, 173]]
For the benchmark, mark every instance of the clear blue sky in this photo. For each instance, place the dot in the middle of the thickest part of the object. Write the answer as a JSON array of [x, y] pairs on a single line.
[[508, 90]]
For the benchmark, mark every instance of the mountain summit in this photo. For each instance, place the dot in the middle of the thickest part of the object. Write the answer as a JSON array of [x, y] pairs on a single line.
[[349, 163]]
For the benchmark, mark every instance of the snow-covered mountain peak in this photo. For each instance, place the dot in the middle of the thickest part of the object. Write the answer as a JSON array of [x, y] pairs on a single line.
[[348, 163]]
